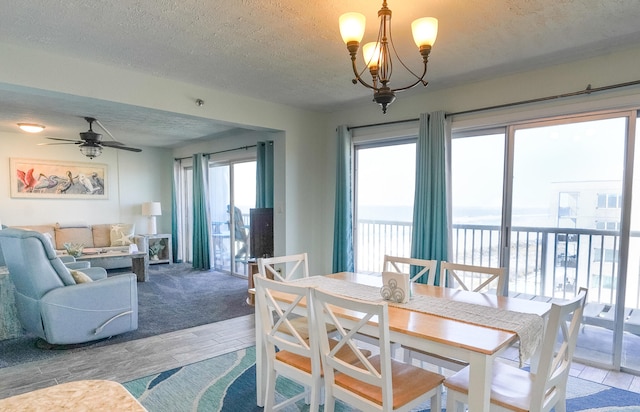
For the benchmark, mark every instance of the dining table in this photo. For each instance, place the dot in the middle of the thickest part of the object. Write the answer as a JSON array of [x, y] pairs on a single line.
[[440, 331]]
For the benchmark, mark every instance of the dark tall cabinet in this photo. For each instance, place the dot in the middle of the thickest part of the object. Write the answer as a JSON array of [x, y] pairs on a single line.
[[261, 232]]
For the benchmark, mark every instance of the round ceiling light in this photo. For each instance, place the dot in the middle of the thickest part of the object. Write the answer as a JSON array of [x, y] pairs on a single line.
[[31, 127]]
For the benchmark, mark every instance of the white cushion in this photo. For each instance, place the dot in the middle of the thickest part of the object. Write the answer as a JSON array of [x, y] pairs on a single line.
[[80, 277]]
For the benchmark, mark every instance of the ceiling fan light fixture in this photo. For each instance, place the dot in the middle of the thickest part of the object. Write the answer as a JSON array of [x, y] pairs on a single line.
[[90, 150], [31, 127]]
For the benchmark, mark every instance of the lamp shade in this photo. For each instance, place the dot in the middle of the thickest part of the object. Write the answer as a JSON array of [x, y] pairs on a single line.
[[425, 31], [352, 27], [152, 209], [371, 53]]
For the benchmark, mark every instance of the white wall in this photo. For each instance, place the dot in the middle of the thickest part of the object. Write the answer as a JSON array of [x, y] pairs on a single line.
[[301, 157], [132, 178]]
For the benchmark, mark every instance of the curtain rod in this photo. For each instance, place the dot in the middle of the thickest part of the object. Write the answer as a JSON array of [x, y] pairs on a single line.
[[220, 151], [588, 90]]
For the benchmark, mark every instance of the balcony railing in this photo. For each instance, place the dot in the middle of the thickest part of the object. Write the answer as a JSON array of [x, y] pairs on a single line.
[[548, 262]]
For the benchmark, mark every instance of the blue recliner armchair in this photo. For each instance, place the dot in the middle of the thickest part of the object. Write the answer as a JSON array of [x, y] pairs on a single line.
[[52, 306]]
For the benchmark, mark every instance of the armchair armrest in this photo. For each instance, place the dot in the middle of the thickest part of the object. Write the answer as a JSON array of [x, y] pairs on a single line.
[[111, 293], [95, 273], [66, 259], [90, 311], [77, 265]]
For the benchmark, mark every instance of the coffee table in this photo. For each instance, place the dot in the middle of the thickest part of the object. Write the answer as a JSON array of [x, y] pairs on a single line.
[[139, 261]]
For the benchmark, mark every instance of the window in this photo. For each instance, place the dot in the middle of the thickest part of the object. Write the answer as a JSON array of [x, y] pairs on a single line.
[[609, 201], [385, 187]]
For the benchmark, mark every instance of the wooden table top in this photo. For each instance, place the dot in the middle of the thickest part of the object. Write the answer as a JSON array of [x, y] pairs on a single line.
[[451, 332]]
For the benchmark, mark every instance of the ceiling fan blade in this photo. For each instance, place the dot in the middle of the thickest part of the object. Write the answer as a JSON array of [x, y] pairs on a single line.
[[64, 140], [111, 144], [131, 149], [53, 144]]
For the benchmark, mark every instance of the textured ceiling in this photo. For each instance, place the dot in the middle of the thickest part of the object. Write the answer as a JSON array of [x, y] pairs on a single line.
[[290, 51]]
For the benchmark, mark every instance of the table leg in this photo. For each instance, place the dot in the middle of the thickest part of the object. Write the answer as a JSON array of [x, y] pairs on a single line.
[[140, 266], [480, 375]]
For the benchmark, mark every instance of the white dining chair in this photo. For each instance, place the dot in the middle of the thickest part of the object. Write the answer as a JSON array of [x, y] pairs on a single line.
[[466, 277], [284, 268], [287, 352], [473, 278], [398, 264], [423, 267], [374, 383], [514, 389]]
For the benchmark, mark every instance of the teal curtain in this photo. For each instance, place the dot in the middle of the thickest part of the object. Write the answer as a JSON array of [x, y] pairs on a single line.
[[343, 221], [201, 215], [177, 165], [431, 209], [264, 174]]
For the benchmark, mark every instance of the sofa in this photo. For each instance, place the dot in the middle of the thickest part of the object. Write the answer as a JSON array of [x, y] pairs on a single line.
[[107, 237]]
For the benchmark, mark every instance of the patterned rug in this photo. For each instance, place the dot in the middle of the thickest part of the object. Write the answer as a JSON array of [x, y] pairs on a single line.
[[227, 383]]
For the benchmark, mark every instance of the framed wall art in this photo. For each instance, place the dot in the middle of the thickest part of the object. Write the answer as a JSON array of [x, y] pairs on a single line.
[[32, 178]]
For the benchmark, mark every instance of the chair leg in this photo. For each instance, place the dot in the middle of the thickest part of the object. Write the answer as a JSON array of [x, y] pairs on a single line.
[[269, 398], [436, 402], [454, 404], [329, 400]]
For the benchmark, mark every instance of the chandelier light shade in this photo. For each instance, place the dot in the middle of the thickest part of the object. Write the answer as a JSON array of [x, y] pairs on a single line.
[[90, 150], [378, 55]]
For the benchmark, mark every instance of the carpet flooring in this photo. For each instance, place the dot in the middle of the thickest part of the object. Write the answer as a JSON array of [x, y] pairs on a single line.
[[175, 297], [227, 383]]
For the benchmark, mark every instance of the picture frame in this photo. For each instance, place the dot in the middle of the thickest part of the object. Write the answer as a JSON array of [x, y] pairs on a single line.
[[57, 179]]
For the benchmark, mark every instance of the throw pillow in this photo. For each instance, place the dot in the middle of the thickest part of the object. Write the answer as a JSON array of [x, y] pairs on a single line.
[[80, 277], [122, 234]]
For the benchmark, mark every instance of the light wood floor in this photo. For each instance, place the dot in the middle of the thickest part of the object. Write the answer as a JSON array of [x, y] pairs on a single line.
[[131, 360]]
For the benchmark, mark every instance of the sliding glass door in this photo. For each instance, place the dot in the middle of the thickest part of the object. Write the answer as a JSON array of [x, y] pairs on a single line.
[[385, 187], [565, 220], [232, 191], [558, 221]]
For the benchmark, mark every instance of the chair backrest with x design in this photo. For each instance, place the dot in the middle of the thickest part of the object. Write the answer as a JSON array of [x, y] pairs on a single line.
[[289, 353], [370, 383], [284, 268], [423, 267], [473, 278]]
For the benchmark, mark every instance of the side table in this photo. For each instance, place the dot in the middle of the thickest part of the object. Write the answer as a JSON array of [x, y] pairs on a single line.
[[9, 324], [162, 245]]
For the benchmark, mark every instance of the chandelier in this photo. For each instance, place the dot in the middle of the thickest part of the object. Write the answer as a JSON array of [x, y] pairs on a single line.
[[378, 55]]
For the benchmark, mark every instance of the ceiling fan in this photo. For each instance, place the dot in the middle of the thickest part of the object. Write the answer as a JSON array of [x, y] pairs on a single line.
[[91, 143]]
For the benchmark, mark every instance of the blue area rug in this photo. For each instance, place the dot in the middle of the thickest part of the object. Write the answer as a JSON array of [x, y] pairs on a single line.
[[227, 383]]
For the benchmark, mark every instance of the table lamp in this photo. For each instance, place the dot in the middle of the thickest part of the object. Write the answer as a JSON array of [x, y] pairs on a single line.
[[151, 210]]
